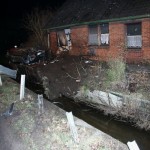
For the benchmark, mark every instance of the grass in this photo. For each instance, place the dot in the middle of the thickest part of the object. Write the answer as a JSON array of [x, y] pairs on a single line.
[[49, 130]]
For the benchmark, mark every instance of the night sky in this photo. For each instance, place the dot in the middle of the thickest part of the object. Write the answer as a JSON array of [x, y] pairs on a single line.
[[12, 13]]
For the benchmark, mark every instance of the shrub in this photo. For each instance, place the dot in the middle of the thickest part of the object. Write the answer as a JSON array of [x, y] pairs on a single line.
[[116, 71]]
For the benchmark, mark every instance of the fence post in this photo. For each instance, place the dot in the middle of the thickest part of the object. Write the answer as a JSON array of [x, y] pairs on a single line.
[[72, 126], [0, 81], [40, 104], [22, 87], [133, 146]]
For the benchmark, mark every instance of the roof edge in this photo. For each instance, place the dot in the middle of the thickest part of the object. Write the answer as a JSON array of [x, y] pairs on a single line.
[[101, 21]]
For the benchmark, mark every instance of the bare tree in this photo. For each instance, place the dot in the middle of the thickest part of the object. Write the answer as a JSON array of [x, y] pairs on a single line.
[[35, 23]]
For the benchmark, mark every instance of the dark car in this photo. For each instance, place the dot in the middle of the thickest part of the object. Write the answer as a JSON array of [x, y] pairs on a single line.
[[33, 57]]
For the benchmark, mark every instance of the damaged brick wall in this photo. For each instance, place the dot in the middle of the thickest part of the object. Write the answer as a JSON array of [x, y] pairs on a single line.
[[79, 37], [117, 43], [53, 42]]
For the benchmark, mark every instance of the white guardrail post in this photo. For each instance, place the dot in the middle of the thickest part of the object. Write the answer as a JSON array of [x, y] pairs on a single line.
[[133, 145], [22, 87], [0, 81], [72, 126], [40, 104]]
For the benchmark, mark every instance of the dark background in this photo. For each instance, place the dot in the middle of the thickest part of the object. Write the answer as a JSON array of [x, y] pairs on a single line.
[[11, 14]]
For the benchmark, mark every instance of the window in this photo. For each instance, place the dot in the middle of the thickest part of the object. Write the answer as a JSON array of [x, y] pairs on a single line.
[[64, 39], [93, 35], [104, 38], [134, 38], [68, 36], [99, 34]]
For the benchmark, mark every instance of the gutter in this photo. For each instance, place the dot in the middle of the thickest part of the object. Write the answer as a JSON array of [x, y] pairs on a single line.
[[102, 21]]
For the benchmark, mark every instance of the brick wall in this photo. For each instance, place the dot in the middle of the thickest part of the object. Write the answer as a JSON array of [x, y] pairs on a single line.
[[79, 38], [53, 42], [146, 38], [117, 45]]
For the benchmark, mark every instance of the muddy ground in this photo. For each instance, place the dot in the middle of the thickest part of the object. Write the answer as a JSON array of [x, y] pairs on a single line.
[[28, 128], [68, 75]]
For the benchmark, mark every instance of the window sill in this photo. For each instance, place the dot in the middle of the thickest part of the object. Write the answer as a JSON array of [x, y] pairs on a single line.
[[134, 49], [104, 46], [93, 46], [99, 46]]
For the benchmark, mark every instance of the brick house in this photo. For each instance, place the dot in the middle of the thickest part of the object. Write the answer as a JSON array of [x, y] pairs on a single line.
[[102, 29]]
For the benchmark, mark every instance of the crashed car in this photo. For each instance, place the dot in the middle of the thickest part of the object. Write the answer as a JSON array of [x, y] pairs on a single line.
[[27, 55], [34, 56], [15, 54]]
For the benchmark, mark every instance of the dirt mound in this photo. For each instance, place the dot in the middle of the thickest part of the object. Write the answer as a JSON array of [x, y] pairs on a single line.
[[67, 74]]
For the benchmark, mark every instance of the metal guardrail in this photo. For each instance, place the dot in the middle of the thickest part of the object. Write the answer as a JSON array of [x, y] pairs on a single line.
[[7, 71]]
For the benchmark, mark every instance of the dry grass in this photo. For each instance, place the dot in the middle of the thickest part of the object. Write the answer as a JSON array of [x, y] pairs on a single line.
[[116, 79]]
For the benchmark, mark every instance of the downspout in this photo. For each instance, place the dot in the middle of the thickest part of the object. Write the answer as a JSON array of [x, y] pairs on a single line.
[[103, 21]]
